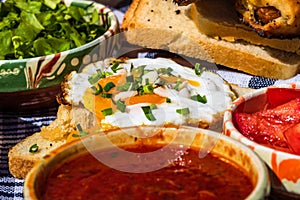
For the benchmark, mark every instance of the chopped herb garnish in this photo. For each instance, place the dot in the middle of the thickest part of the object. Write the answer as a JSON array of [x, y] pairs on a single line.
[[107, 111], [97, 90], [161, 83], [106, 95], [199, 98], [153, 106], [178, 82], [183, 111], [81, 132], [125, 87], [109, 86], [148, 113], [131, 67], [129, 78], [138, 71], [147, 89], [121, 106], [168, 100], [96, 77], [34, 148], [165, 71], [199, 71], [115, 66]]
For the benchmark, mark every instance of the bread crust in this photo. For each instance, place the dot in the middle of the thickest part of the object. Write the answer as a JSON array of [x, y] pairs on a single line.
[[163, 25]]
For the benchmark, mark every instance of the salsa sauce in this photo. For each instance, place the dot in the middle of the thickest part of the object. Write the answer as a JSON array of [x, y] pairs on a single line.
[[186, 177]]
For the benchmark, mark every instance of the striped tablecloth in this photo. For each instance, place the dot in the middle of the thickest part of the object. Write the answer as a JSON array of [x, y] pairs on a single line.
[[16, 126]]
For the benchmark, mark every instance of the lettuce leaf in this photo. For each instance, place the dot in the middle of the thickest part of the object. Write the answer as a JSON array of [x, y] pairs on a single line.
[[30, 28]]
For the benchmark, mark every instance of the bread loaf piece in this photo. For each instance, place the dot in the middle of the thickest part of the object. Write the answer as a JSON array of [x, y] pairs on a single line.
[[164, 25], [21, 160]]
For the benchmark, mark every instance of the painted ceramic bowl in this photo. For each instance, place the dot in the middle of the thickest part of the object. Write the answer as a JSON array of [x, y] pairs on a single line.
[[121, 157], [35, 81], [266, 120]]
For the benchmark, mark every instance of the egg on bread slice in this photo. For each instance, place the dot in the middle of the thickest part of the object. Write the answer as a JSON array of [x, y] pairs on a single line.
[[144, 91]]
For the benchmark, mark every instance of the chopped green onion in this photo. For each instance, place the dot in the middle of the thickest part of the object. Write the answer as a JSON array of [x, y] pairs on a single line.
[[148, 113], [96, 77], [107, 111], [34, 148], [153, 106], [106, 95], [148, 89], [165, 71], [199, 71], [81, 132], [138, 71], [97, 90], [138, 80], [109, 86], [199, 98], [178, 82], [147, 81], [124, 87], [161, 83], [168, 100], [183, 111], [131, 67], [129, 78], [115, 66], [121, 106]]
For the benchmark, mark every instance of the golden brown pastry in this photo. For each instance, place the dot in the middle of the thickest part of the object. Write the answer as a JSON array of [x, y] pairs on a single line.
[[271, 18]]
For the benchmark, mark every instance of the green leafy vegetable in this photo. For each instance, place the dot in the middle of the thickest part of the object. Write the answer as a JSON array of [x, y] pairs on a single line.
[[30, 28]]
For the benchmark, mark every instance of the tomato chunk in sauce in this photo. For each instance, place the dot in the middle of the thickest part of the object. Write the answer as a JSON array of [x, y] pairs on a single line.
[[277, 125], [186, 177]]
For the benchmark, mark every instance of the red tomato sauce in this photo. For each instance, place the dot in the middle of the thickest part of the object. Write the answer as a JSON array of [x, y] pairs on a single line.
[[272, 119], [187, 177]]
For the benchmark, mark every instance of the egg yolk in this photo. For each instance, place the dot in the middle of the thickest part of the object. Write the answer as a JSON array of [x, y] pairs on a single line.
[[194, 83]]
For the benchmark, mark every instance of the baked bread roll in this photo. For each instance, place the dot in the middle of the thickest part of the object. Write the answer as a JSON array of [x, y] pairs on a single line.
[[271, 18]]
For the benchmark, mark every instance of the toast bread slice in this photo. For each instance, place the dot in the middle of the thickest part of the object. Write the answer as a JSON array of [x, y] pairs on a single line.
[[164, 25]]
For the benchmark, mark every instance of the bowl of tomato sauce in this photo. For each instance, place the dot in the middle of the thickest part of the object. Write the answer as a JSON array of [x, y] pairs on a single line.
[[148, 162], [268, 121]]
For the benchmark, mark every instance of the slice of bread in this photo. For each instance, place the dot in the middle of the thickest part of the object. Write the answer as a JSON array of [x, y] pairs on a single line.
[[164, 25], [21, 160]]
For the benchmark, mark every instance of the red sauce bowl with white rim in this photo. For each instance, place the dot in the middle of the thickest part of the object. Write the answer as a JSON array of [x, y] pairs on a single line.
[[208, 141], [283, 162]]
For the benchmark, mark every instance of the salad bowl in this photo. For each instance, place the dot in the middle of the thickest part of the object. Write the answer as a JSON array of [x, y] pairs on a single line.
[[30, 75]]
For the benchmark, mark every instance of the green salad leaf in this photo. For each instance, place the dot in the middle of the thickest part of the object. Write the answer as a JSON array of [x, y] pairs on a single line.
[[30, 28]]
